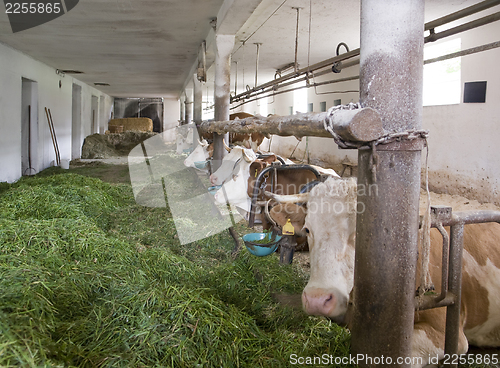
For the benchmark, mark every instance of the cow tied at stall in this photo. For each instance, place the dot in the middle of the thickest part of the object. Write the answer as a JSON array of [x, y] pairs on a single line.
[[330, 225]]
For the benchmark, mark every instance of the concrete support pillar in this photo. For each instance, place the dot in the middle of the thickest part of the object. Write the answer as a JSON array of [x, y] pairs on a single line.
[[224, 45], [391, 70], [197, 100], [189, 105]]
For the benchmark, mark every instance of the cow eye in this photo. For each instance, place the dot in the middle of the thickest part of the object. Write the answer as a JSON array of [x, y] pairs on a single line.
[[306, 230]]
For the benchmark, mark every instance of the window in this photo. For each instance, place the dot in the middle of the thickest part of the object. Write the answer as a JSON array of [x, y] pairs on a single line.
[[337, 102], [322, 106], [263, 106], [300, 98], [310, 107], [442, 79]]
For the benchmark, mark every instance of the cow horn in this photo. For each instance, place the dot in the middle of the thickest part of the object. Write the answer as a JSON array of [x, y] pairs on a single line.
[[249, 155], [228, 149], [268, 215], [287, 198], [202, 143]]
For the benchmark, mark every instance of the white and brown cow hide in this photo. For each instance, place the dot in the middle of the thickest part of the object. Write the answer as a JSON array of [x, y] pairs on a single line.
[[331, 238]]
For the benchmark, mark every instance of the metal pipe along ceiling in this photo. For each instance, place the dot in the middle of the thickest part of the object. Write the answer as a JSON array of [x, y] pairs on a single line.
[[270, 86]]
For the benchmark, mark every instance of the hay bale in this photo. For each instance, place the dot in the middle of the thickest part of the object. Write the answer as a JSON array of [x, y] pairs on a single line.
[[97, 146], [137, 124], [116, 128], [112, 144]]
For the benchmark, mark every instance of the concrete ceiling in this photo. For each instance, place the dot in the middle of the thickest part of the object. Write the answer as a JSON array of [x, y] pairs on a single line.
[[149, 48]]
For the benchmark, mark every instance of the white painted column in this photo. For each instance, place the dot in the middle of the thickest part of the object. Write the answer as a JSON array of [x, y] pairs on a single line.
[[224, 45]]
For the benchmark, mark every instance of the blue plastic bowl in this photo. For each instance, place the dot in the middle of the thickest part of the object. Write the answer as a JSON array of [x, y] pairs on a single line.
[[201, 164], [214, 189], [260, 250]]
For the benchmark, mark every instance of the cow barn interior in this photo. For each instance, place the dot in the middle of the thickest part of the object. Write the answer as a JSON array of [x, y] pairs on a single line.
[[116, 250]]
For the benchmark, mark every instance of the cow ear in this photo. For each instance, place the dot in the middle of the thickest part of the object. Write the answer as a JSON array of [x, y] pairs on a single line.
[[255, 168], [270, 159]]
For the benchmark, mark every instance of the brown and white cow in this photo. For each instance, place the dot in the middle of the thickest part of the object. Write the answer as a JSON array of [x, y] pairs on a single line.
[[286, 182], [331, 226], [241, 173]]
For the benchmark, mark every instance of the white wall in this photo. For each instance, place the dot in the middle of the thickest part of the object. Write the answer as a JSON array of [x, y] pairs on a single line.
[[171, 113], [464, 138], [58, 99]]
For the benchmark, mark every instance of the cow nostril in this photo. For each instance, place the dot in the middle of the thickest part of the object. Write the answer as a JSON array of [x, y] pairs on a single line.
[[330, 298]]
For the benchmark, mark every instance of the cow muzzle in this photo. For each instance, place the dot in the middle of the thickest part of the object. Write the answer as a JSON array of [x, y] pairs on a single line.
[[324, 302]]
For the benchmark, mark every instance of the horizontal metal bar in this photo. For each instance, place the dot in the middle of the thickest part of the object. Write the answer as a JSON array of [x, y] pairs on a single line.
[[461, 14], [274, 93], [298, 73], [471, 217], [294, 76], [467, 217], [464, 27], [470, 51]]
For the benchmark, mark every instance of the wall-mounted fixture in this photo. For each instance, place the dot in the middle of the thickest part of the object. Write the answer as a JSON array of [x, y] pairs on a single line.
[[67, 71], [475, 92]]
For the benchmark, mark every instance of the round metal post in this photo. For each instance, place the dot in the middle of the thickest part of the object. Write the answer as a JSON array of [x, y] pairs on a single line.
[[287, 249], [197, 100], [257, 63], [223, 47], [388, 184], [182, 101], [189, 106]]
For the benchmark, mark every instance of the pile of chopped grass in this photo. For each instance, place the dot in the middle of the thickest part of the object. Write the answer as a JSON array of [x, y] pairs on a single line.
[[89, 279], [63, 196]]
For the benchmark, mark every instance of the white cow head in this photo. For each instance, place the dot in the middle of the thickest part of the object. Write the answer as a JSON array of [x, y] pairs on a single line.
[[186, 135], [230, 162], [234, 188], [200, 153], [331, 227]]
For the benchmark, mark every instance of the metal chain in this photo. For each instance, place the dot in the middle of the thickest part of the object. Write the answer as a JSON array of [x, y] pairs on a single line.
[[328, 124], [386, 139]]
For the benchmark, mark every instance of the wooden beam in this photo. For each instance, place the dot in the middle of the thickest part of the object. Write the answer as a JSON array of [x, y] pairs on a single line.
[[358, 125]]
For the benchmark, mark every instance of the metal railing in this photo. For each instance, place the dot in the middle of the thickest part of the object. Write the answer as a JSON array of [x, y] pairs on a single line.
[[451, 272]]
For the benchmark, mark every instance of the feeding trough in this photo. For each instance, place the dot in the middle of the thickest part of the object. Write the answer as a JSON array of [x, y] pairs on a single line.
[[261, 244]]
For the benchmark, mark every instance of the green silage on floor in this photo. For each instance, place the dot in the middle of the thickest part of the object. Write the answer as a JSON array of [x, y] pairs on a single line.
[[90, 279]]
